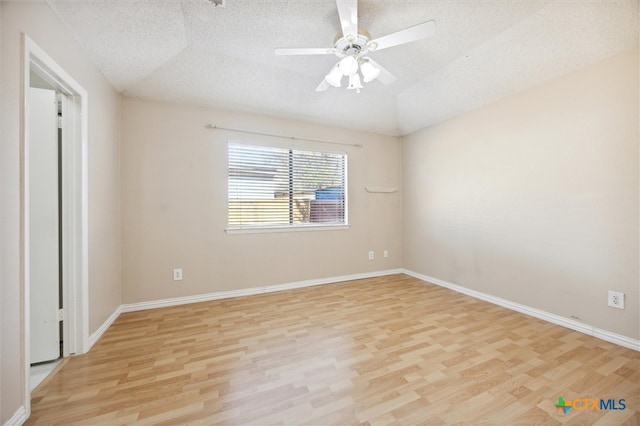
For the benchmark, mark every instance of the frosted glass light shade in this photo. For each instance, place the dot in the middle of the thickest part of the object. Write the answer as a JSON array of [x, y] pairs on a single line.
[[334, 77], [348, 65], [369, 72], [354, 82]]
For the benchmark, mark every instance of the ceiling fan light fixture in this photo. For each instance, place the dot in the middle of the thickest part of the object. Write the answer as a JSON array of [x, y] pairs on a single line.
[[369, 72], [353, 43], [334, 77], [348, 65], [354, 83]]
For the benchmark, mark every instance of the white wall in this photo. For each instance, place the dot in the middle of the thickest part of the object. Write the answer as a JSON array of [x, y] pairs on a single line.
[[37, 21], [174, 174], [534, 198]]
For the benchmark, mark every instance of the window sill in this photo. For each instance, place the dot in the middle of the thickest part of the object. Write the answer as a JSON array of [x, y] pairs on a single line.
[[297, 228]]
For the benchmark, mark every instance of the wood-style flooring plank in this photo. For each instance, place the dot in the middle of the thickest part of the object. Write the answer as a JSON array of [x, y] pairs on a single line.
[[388, 350]]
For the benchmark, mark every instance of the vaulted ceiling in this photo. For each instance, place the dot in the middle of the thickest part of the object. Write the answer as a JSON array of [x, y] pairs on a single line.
[[189, 51]]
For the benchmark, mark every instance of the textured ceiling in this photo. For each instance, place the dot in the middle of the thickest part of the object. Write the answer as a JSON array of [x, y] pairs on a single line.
[[191, 52]]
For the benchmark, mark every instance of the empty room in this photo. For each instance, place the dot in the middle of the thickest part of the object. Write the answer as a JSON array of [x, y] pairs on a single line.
[[332, 212]]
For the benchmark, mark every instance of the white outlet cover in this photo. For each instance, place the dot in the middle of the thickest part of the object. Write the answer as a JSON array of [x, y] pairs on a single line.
[[177, 274], [371, 255], [615, 299]]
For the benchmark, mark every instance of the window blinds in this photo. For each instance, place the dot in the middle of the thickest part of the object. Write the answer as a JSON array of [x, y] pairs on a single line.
[[270, 186]]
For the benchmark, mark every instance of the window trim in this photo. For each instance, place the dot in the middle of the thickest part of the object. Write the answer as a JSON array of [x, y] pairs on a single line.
[[295, 227], [256, 229]]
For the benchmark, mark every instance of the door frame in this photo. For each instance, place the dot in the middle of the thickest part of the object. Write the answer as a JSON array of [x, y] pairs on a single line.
[[74, 186]]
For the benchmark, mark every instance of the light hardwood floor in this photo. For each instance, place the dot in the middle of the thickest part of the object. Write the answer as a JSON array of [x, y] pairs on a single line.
[[389, 350]]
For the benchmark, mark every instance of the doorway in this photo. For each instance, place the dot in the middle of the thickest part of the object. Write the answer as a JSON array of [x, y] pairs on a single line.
[[54, 214], [45, 220]]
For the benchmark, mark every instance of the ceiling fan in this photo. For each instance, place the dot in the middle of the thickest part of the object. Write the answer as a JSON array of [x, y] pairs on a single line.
[[354, 44]]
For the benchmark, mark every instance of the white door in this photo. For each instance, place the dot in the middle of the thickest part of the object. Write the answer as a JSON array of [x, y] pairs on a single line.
[[44, 255]]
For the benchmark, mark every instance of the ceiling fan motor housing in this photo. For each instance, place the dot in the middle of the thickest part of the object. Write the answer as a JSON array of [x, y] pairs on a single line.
[[357, 47]]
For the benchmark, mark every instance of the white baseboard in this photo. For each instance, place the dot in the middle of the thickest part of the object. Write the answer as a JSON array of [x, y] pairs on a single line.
[[162, 303], [609, 336], [18, 418], [105, 325], [331, 280], [132, 307]]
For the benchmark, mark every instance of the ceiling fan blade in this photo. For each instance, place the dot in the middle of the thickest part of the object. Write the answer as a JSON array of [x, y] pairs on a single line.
[[348, 12], [417, 32], [323, 86], [286, 51], [385, 76]]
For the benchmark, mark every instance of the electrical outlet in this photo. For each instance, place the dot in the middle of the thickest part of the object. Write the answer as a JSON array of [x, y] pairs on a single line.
[[385, 253], [616, 299], [371, 255], [177, 274]]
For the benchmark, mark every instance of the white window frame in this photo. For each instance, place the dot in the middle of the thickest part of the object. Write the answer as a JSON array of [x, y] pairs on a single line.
[[296, 227]]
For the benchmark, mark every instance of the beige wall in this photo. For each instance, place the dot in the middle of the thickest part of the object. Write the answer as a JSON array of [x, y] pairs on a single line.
[[174, 174], [534, 198], [38, 22], [2, 248]]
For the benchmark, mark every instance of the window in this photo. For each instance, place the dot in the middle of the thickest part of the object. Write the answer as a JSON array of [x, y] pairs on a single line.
[[281, 187]]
